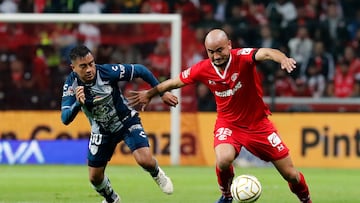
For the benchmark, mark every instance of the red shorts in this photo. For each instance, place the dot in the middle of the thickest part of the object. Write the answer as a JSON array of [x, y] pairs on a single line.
[[262, 139]]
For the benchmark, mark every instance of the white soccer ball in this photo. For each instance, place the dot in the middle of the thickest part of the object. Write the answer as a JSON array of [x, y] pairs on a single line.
[[245, 189]]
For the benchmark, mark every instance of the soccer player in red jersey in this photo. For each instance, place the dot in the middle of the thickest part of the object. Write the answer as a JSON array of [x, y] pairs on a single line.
[[242, 116]]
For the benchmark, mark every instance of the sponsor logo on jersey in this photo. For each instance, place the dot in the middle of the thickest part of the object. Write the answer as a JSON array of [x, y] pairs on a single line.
[[244, 51], [122, 71], [211, 82], [68, 91], [135, 127], [142, 134], [115, 68], [229, 92], [186, 73], [104, 115], [275, 141]]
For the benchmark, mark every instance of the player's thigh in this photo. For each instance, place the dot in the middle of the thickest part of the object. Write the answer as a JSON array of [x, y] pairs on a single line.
[[267, 146], [225, 154], [135, 137], [226, 135], [265, 142], [100, 150]]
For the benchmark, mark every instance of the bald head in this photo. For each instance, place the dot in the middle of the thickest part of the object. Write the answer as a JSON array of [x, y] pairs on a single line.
[[216, 36], [218, 47]]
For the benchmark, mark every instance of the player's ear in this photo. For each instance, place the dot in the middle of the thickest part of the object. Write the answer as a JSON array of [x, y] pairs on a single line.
[[72, 66]]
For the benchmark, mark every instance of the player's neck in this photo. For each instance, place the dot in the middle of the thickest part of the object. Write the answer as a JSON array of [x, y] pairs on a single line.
[[220, 68]]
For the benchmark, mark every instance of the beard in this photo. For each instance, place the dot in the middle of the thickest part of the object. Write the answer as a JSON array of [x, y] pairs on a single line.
[[221, 63]]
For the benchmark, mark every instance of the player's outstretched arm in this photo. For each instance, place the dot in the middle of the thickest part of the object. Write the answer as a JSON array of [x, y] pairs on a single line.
[[288, 64], [143, 98], [170, 99], [138, 99]]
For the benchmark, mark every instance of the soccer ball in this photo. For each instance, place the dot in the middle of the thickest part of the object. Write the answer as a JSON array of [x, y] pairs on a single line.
[[245, 189]]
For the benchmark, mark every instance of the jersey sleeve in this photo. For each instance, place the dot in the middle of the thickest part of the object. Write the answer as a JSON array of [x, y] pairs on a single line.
[[246, 54], [69, 106], [190, 75], [128, 72], [140, 71]]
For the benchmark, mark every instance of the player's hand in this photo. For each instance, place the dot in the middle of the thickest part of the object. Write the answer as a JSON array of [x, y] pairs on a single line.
[[170, 99], [138, 99], [288, 64], [80, 94]]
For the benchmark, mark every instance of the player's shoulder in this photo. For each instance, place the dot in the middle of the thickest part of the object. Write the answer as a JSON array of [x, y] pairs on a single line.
[[71, 77], [243, 51], [244, 55], [197, 70], [115, 67], [106, 67], [205, 63]]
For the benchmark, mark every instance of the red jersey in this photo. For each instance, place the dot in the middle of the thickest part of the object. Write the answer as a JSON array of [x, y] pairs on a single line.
[[344, 83], [237, 90]]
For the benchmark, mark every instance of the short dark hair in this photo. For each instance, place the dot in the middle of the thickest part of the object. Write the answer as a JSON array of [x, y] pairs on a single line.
[[79, 52]]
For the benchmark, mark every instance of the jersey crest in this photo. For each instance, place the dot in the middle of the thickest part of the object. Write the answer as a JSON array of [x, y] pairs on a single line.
[[244, 51], [234, 76]]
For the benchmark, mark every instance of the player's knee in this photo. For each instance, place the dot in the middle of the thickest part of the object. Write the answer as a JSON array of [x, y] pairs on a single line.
[[144, 157], [145, 161], [96, 179], [291, 175], [96, 175], [224, 162], [225, 155]]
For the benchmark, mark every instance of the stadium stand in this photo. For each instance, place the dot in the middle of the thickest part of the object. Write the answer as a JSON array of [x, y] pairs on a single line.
[[323, 36]]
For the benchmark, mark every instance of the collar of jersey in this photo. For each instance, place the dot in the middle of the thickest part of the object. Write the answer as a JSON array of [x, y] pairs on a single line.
[[222, 76]]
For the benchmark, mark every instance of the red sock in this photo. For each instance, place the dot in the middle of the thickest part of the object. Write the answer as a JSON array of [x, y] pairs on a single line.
[[300, 189], [224, 178]]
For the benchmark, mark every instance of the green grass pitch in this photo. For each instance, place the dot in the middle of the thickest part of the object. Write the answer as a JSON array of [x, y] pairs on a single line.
[[69, 184]]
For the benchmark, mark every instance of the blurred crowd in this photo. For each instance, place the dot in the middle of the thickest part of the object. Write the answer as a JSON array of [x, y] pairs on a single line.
[[322, 35]]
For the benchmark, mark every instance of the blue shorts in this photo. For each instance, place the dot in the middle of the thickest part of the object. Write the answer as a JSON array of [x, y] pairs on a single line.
[[102, 146]]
